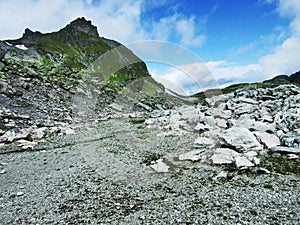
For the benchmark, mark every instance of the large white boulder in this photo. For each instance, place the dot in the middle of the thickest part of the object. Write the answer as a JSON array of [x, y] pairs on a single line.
[[240, 139]]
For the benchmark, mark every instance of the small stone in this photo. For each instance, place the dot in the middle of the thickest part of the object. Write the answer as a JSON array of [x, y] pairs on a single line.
[[242, 161], [276, 155], [221, 123], [221, 176], [203, 142], [3, 171], [292, 156], [202, 127], [260, 170], [67, 130], [192, 155], [20, 193], [255, 160], [160, 166], [26, 145]]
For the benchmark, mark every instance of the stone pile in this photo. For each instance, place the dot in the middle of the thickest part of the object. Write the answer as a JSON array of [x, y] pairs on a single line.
[[25, 132], [237, 127]]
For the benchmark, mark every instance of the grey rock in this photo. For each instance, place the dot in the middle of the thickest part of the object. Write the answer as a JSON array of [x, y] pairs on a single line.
[[248, 100], [221, 123], [20, 193], [224, 156], [194, 155], [67, 130], [268, 140], [38, 133], [246, 122], [285, 150], [26, 145], [292, 156], [224, 114], [1, 65], [202, 127], [3, 87], [260, 170], [291, 139], [8, 136], [241, 139], [160, 167], [242, 161], [221, 176], [203, 142], [244, 109]]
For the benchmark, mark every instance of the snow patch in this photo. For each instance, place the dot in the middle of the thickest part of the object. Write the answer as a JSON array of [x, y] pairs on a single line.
[[22, 47], [8, 43]]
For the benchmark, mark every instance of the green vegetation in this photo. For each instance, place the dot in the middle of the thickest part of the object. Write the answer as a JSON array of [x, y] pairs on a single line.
[[281, 164], [151, 157]]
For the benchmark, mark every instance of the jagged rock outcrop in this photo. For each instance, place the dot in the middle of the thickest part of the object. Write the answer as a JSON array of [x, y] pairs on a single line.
[[81, 25]]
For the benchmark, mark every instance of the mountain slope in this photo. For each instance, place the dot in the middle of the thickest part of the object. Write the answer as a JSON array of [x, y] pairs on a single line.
[[72, 75], [75, 46]]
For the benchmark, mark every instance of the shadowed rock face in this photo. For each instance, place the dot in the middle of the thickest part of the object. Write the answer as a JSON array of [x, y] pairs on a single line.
[[295, 77], [2, 54], [81, 25]]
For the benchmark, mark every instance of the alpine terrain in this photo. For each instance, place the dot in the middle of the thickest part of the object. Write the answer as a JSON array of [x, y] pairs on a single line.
[[87, 136]]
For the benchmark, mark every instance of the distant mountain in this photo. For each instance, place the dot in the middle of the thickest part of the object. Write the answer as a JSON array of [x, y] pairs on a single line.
[[284, 79], [294, 78], [274, 82]]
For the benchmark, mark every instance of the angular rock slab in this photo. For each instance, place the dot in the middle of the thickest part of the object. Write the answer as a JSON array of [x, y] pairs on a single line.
[[286, 150], [241, 139], [242, 161], [203, 142], [224, 156], [160, 167], [268, 140], [191, 156]]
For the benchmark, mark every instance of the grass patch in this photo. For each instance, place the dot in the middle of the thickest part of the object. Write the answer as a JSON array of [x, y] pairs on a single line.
[[281, 165], [151, 157], [138, 120]]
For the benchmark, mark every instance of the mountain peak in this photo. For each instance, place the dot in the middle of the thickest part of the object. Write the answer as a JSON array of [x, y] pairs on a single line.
[[82, 25]]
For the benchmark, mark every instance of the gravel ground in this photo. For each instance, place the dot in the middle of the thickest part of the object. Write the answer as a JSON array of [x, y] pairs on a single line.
[[102, 176]]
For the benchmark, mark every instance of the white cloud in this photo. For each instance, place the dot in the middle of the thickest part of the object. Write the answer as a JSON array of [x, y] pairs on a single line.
[[186, 29], [119, 20], [283, 60], [187, 79]]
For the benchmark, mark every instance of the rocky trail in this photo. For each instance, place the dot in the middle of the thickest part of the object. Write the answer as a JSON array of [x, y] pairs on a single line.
[[155, 170]]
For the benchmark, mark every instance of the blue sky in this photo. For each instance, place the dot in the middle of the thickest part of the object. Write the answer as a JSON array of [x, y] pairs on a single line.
[[236, 40]]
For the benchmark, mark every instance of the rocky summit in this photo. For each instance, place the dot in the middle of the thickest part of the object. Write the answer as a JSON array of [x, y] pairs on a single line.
[[88, 137]]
